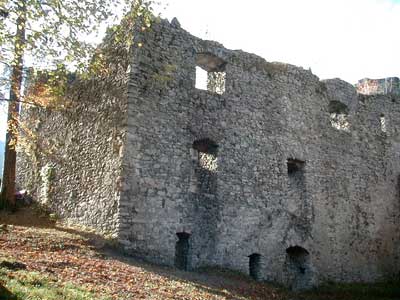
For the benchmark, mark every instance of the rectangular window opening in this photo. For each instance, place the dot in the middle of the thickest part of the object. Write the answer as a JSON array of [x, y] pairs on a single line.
[[206, 166], [201, 78], [383, 123], [296, 188], [216, 82], [339, 115], [295, 166], [210, 73]]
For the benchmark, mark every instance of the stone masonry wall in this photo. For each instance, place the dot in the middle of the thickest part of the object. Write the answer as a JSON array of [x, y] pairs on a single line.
[[74, 165], [298, 199], [264, 169], [379, 86]]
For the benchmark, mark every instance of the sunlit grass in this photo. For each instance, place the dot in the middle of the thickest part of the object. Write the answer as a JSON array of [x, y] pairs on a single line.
[[34, 286]]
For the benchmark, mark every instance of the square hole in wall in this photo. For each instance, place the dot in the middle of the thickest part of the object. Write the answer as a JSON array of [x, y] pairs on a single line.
[[339, 115], [294, 166], [210, 73]]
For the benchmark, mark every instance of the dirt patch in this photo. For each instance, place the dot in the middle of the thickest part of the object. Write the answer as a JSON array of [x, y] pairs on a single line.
[[27, 216]]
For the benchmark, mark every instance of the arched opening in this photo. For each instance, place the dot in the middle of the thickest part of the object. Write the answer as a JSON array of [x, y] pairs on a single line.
[[206, 166], [182, 248], [206, 146], [210, 73], [339, 113], [255, 266], [298, 268]]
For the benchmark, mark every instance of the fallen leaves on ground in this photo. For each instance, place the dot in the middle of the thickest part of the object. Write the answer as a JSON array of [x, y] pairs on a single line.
[[69, 257]]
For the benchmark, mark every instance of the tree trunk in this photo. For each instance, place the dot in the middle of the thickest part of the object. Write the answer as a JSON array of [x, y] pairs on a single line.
[[8, 186]]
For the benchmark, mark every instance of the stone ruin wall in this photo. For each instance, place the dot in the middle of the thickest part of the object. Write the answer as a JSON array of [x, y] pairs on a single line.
[[334, 217], [390, 85], [251, 176], [74, 166]]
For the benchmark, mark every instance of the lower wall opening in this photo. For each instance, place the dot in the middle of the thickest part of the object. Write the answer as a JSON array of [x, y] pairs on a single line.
[[255, 266], [298, 268], [182, 248]]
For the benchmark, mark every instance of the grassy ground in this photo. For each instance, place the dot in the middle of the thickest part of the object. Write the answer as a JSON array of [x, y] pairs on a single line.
[[34, 285], [355, 291], [61, 263]]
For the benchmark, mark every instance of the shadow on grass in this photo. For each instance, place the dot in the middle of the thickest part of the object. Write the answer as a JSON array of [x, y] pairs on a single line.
[[5, 294], [234, 285], [228, 284], [389, 290], [30, 216], [216, 281]]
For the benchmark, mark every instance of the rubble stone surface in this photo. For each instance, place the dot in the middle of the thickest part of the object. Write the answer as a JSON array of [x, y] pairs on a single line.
[[252, 174]]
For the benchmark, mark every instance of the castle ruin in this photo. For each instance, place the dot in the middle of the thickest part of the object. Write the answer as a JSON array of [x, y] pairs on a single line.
[[193, 155]]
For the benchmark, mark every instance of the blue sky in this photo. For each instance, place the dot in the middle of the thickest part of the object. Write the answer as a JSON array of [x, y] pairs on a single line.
[[349, 39]]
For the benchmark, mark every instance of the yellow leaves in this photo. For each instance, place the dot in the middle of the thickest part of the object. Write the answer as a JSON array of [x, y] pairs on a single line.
[[71, 258], [113, 54], [48, 89], [98, 65], [42, 95], [25, 139]]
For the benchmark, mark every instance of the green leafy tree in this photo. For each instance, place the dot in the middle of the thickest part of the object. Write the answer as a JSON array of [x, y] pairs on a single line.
[[48, 32]]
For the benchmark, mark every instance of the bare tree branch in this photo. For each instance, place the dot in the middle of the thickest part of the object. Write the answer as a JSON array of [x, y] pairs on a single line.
[[4, 63]]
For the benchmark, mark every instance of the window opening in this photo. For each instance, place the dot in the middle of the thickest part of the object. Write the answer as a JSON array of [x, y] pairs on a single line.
[[210, 73], [207, 165], [383, 123], [297, 191], [295, 166], [216, 82], [201, 78], [339, 115]]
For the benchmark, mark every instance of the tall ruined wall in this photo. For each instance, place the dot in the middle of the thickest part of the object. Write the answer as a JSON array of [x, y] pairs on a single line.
[[390, 85], [264, 169], [253, 176], [73, 166]]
